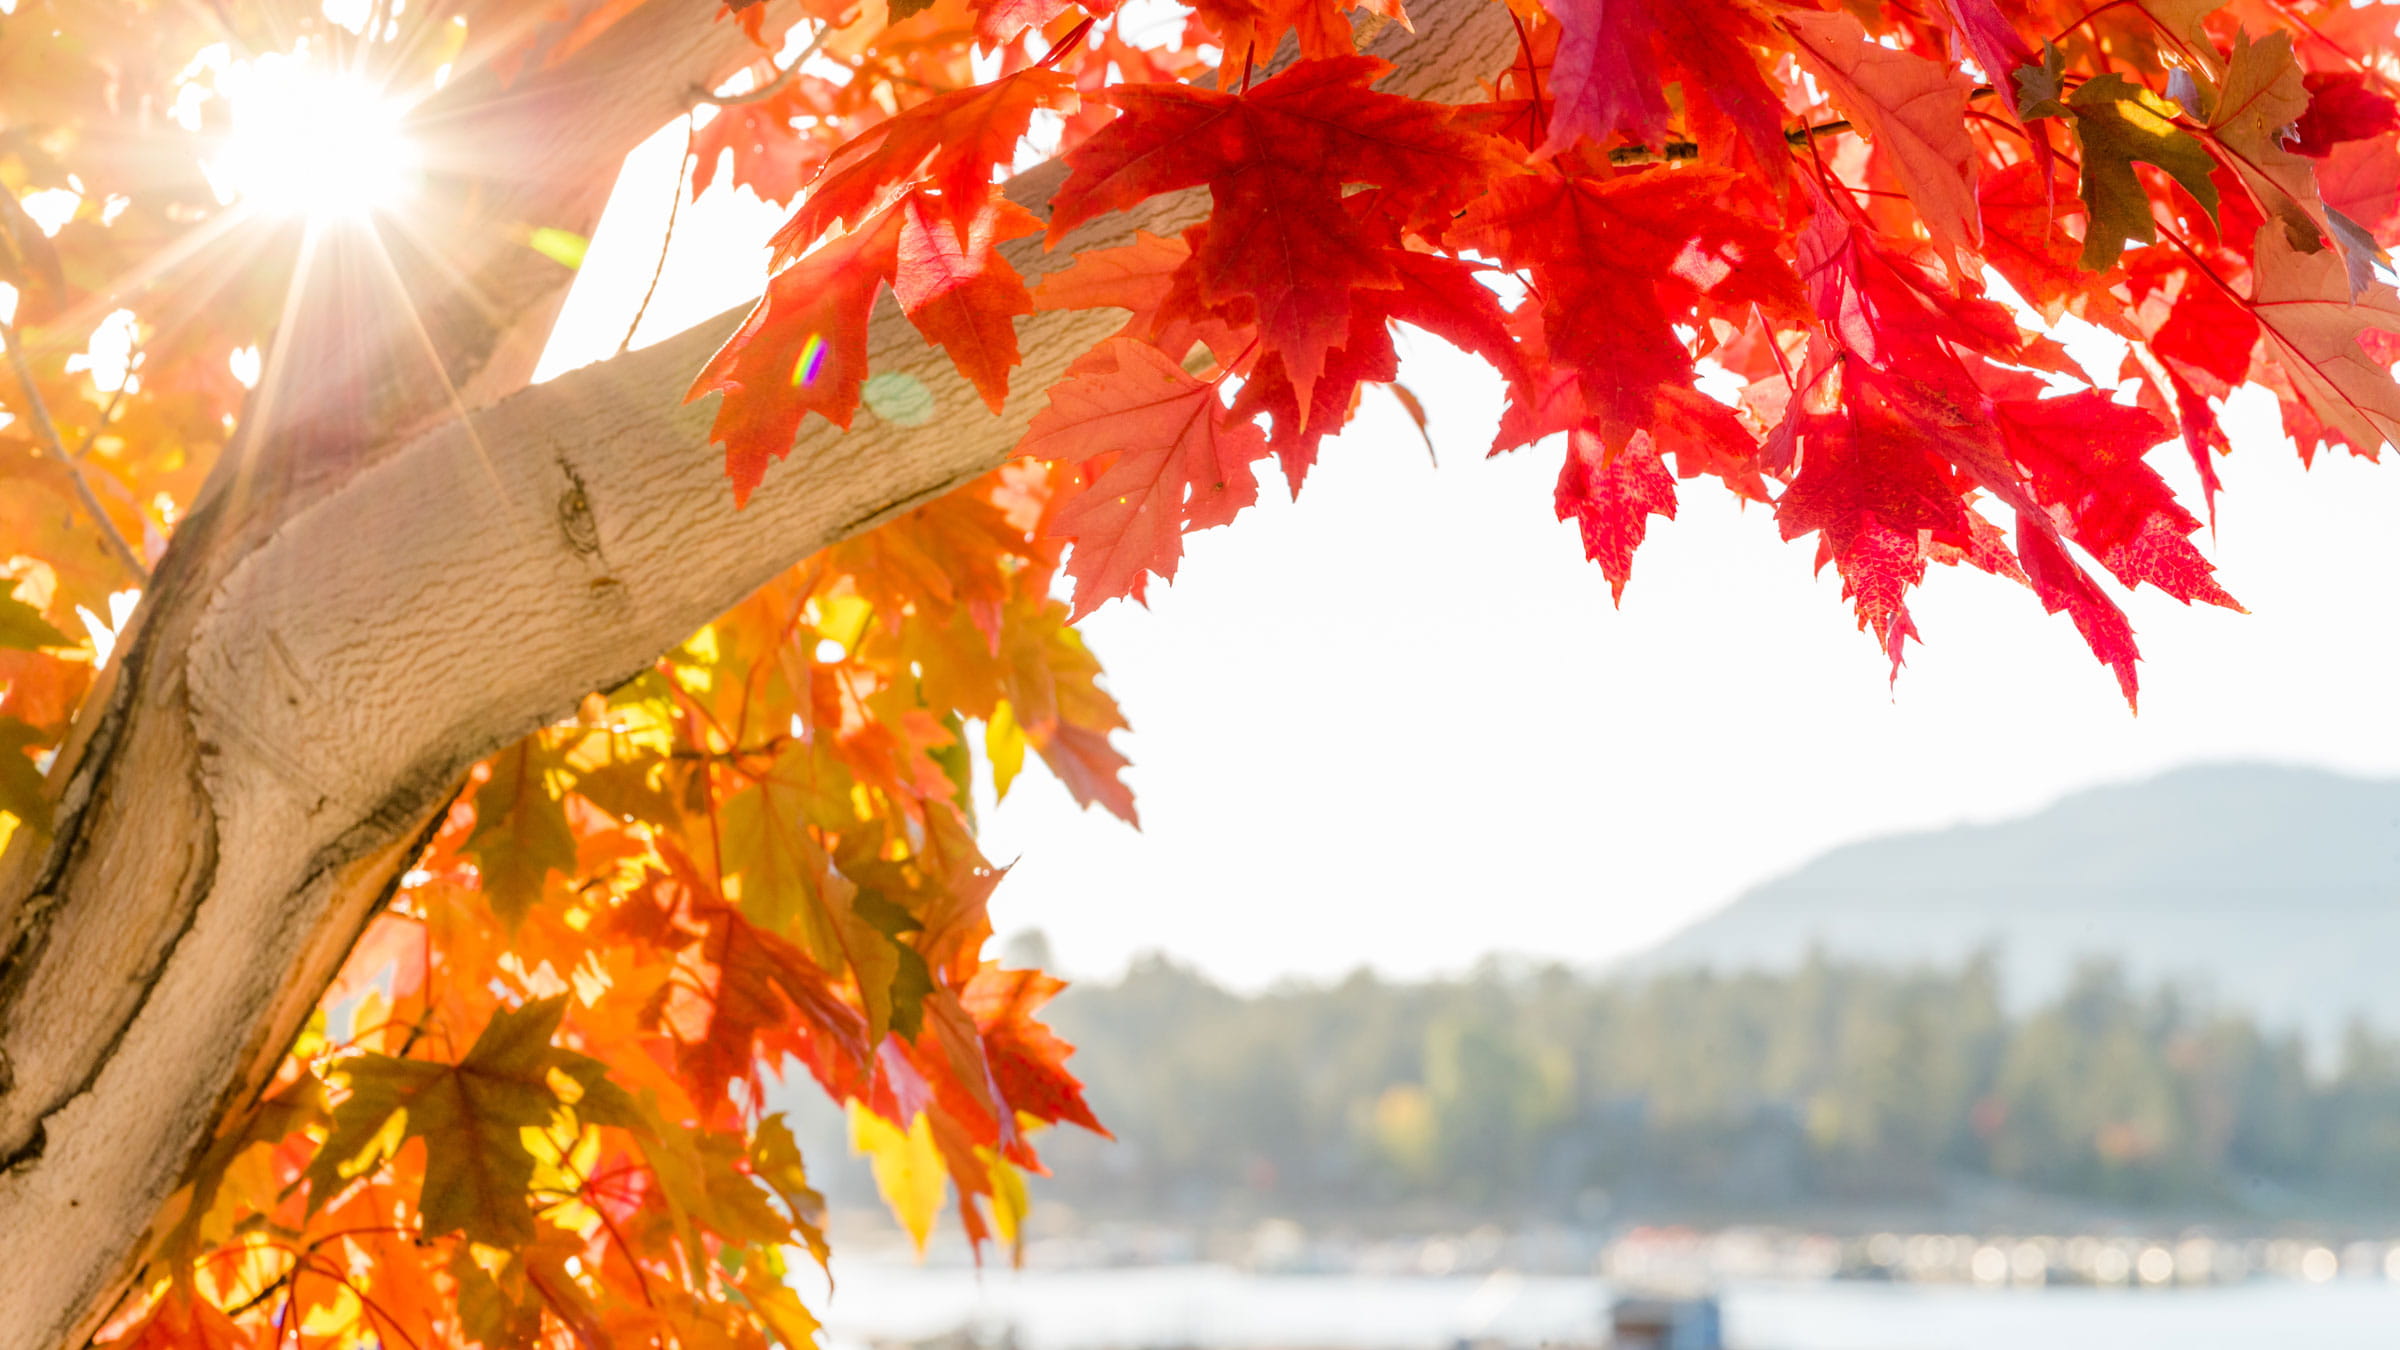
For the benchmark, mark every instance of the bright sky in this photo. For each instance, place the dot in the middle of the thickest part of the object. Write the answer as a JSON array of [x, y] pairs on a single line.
[[1398, 723]]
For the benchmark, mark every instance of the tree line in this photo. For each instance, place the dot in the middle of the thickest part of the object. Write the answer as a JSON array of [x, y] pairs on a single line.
[[1535, 1093]]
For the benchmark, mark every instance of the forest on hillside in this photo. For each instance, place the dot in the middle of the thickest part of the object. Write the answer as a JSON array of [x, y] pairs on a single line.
[[1536, 1094]]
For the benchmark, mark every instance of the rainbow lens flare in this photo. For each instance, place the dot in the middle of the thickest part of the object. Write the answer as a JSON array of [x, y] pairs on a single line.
[[812, 360]]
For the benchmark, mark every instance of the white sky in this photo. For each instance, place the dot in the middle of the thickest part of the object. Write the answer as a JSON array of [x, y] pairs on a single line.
[[1398, 723]]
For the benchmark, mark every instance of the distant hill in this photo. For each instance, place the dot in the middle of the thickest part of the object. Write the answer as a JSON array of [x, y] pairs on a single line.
[[2275, 889]]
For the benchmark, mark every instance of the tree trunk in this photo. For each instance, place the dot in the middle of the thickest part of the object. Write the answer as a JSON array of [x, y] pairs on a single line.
[[333, 638]]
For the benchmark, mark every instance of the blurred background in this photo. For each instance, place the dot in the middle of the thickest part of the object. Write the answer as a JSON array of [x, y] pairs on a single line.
[[2122, 1071]]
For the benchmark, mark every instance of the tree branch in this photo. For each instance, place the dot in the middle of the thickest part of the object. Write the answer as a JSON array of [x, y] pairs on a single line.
[[305, 699], [1671, 151], [44, 428]]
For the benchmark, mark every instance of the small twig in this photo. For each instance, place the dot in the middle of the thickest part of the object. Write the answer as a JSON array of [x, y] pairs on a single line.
[[2088, 15], [108, 414], [1797, 136], [270, 1291], [48, 431], [773, 746], [1664, 154], [683, 169], [1675, 150], [775, 82]]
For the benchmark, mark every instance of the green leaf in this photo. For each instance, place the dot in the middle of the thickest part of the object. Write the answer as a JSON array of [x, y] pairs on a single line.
[[912, 979], [2038, 87], [2118, 124], [491, 1312], [764, 840], [627, 787], [22, 626], [21, 792], [477, 1168], [958, 765], [521, 833], [2263, 94], [197, 1228], [700, 1177], [775, 1160]]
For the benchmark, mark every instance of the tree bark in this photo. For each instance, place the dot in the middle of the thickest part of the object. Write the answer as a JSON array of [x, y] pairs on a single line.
[[321, 658]]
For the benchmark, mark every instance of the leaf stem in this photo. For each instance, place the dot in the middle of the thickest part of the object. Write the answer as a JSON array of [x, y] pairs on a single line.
[[1533, 78], [1065, 44], [683, 170], [108, 414], [2088, 15], [641, 1278], [48, 431], [2175, 237]]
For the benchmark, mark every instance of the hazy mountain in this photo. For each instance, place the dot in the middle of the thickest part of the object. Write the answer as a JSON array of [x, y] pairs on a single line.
[[2275, 888]]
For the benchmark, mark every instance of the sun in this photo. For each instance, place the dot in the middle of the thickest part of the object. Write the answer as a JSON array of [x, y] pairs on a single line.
[[312, 142]]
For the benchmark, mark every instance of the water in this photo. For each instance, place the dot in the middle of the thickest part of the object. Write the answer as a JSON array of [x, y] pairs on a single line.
[[1218, 1308]]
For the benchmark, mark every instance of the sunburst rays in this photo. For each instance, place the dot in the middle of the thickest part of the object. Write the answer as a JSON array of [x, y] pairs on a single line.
[[336, 249]]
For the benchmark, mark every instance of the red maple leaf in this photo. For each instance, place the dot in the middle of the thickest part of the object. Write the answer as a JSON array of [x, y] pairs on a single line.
[[2082, 455], [769, 156], [948, 144], [2341, 107], [184, 1321], [1978, 27], [1001, 22], [1162, 454], [916, 193], [1611, 501], [749, 990], [2064, 586], [1156, 279], [2022, 207], [1647, 250], [1277, 161], [1889, 312], [1441, 295], [1615, 59], [1871, 488], [2207, 329], [959, 292], [1028, 1060], [802, 349]]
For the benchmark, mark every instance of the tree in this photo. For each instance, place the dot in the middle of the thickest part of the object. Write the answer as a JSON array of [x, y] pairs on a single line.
[[395, 929]]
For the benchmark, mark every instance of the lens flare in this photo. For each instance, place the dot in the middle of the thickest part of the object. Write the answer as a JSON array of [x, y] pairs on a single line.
[[812, 360], [309, 140]]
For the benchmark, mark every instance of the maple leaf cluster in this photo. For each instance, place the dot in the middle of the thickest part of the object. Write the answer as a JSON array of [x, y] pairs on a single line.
[[755, 859], [1864, 228], [532, 1107]]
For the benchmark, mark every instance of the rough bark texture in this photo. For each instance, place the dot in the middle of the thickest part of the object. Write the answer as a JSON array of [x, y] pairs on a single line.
[[346, 626]]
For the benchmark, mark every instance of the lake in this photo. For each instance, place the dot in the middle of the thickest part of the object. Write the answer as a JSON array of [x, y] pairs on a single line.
[[1205, 1307]]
